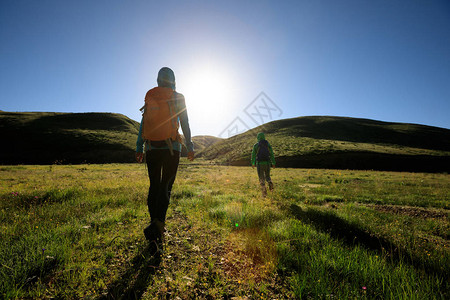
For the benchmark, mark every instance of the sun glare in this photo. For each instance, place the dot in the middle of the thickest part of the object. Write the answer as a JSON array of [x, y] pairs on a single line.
[[210, 96]]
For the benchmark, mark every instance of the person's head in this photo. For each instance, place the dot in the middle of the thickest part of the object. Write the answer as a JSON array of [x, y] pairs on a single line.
[[166, 78], [261, 136]]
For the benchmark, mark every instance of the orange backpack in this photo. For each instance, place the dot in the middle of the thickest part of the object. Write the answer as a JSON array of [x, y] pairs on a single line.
[[160, 115]]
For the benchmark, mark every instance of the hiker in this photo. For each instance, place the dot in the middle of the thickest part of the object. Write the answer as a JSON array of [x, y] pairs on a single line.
[[159, 139], [262, 156]]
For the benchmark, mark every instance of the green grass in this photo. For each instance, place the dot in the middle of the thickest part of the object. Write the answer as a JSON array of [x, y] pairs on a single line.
[[76, 231]]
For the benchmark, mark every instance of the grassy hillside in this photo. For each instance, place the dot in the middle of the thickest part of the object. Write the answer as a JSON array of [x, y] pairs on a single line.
[[347, 143], [309, 142], [201, 142], [46, 138]]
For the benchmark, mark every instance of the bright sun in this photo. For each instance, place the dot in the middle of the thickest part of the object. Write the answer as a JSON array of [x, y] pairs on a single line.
[[210, 95]]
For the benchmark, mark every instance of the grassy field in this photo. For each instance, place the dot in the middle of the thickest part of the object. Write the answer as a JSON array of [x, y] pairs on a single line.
[[75, 231]]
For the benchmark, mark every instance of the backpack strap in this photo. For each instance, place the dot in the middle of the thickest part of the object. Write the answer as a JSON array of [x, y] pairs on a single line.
[[176, 113]]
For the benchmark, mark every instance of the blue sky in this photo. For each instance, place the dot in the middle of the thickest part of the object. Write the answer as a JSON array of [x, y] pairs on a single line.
[[384, 60]]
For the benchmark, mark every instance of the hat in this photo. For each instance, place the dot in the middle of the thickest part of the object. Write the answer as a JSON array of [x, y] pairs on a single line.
[[261, 136]]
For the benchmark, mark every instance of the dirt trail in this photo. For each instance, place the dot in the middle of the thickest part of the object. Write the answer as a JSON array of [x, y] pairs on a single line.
[[418, 212], [201, 262], [198, 263]]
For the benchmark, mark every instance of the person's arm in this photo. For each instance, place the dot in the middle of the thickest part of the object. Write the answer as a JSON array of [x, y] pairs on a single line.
[[140, 144], [140, 140], [272, 157], [184, 120], [255, 147]]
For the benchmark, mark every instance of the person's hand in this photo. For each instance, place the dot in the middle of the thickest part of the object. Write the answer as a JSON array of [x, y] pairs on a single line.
[[253, 166], [190, 155], [139, 157], [273, 166]]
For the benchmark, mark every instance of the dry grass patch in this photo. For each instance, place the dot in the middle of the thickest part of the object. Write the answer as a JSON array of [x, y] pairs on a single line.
[[418, 212], [250, 256]]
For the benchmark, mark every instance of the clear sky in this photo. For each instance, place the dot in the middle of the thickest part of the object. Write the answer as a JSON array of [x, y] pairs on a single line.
[[386, 60]]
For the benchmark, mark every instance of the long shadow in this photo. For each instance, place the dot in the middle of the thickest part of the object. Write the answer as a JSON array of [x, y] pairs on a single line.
[[133, 283], [351, 234]]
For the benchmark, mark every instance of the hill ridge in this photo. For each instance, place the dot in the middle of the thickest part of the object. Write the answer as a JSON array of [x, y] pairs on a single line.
[[308, 142], [49, 137], [342, 142]]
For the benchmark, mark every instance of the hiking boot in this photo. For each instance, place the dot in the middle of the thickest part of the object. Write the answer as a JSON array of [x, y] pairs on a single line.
[[271, 186], [154, 233], [160, 240], [160, 225], [151, 232], [155, 230]]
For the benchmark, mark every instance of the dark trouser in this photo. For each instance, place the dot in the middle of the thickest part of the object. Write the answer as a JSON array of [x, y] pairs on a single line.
[[162, 169], [263, 173]]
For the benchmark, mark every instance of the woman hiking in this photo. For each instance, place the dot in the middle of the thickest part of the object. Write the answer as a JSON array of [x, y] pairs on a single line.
[[262, 156], [159, 139]]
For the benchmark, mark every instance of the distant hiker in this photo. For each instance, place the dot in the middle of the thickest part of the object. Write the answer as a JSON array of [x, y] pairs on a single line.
[[262, 156], [159, 139]]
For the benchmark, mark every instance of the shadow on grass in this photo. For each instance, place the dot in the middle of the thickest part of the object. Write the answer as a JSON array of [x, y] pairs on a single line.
[[134, 282], [351, 234], [41, 270]]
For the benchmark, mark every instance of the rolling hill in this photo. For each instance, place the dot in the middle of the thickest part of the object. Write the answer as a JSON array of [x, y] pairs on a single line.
[[343, 143], [306, 142], [47, 138], [201, 142]]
